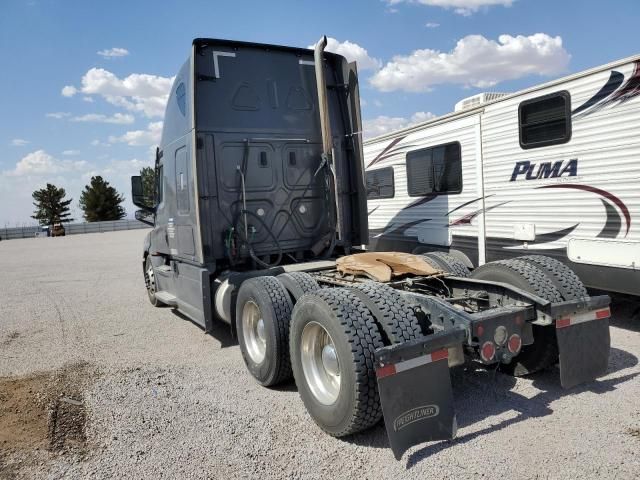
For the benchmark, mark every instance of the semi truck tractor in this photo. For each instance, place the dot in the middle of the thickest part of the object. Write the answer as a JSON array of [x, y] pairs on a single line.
[[260, 219]]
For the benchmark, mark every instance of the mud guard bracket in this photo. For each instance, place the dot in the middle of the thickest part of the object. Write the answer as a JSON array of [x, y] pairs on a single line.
[[415, 390]]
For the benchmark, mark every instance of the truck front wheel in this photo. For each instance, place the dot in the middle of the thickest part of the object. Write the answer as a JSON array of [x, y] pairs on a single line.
[[150, 282], [332, 344], [263, 313]]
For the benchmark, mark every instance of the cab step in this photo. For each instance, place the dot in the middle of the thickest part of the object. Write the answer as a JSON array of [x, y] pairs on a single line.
[[167, 298]]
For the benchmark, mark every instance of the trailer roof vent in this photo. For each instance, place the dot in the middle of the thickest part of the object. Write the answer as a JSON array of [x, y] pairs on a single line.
[[478, 99]]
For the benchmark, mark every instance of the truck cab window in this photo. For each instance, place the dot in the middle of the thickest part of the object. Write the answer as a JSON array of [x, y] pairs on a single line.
[[435, 170], [545, 120], [380, 183]]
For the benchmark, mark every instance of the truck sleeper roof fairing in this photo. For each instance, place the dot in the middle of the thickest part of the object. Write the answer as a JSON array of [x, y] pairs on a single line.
[[249, 113]]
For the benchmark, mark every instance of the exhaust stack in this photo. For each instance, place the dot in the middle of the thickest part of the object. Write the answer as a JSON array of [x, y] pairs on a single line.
[[325, 125]]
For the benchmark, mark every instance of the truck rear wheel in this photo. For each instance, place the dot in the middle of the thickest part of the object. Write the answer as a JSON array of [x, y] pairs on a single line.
[[565, 279], [447, 262], [396, 320], [298, 283], [543, 353], [333, 340], [263, 314]]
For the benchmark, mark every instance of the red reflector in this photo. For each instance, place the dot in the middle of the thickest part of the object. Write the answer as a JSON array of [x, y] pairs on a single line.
[[515, 343], [480, 330], [563, 322], [386, 371], [439, 354], [488, 351], [606, 313]]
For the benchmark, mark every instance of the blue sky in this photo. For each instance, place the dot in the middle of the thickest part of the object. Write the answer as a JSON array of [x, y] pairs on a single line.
[[417, 59]]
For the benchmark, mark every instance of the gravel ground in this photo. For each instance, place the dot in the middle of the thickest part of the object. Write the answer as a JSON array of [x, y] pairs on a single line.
[[139, 392]]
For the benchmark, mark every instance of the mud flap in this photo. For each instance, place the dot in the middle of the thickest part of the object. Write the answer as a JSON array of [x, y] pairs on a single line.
[[415, 390], [583, 344]]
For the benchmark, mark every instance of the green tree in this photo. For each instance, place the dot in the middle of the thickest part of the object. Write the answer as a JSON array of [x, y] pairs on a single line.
[[101, 202], [148, 185], [51, 207]]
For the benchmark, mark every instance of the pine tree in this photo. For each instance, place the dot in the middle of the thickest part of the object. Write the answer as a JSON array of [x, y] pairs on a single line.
[[101, 202], [148, 185], [51, 207]]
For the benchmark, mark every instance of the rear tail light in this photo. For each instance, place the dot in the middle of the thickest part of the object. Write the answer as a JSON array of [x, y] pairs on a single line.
[[515, 343], [488, 351]]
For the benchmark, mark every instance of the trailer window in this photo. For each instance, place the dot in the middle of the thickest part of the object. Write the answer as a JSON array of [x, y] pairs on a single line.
[[435, 170], [545, 120], [380, 183]]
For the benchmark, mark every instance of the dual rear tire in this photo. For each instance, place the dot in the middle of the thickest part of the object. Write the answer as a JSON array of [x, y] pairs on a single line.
[[547, 278], [327, 342]]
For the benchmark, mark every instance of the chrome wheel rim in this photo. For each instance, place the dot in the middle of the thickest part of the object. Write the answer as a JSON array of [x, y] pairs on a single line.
[[320, 363], [150, 279], [253, 332]]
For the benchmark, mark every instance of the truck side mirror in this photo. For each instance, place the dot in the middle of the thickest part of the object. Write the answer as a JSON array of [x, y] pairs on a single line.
[[137, 194]]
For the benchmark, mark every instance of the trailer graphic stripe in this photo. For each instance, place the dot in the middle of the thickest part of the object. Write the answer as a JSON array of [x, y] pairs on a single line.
[[615, 80], [385, 150], [603, 193]]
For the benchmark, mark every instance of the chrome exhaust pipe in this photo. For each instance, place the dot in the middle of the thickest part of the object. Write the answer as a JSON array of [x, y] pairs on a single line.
[[325, 125]]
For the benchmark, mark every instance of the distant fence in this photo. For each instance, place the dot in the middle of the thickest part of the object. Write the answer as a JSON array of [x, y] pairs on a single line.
[[73, 228]]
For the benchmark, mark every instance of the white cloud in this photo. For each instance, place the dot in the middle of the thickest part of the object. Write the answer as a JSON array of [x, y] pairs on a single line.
[[432, 25], [138, 92], [384, 124], [98, 143], [352, 52], [88, 99], [58, 115], [113, 52], [117, 118], [377, 103], [19, 142], [41, 163], [71, 152], [475, 61], [136, 138], [69, 91], [461, 7]]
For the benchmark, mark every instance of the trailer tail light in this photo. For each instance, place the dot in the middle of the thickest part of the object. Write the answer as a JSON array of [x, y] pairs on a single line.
[[515, 343], [488, 351]]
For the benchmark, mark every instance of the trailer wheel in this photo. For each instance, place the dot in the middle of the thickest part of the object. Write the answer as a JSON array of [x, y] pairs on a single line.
[[263, 314], [396, 320], [543, 353], [298, 283], [449, 263], [150, 282], [333, 340], [565, 279]]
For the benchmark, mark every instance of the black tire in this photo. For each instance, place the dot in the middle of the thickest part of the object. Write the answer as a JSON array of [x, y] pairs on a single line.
[[565, 279], [275, 306], [396, 320], [449, 263], [353, 330], [150, 283], [298, 283], [543, 353]]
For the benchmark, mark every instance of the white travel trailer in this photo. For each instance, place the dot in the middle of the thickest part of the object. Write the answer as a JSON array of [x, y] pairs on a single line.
[[553, 170]]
